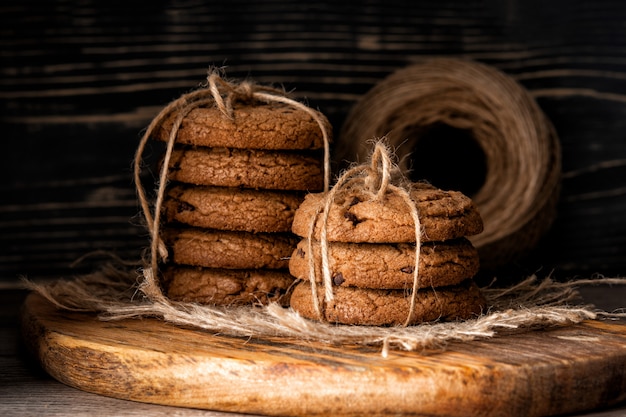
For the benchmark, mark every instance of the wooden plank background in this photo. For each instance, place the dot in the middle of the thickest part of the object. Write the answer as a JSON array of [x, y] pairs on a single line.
[[80, 80]]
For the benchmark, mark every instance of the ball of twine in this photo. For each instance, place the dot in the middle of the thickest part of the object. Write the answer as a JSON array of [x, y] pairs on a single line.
[[516, 149]]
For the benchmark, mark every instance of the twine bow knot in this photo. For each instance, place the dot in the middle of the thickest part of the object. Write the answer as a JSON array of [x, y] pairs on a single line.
[[225, 93]]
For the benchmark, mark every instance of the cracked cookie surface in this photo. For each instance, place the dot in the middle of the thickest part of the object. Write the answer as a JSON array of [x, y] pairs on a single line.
[[373, 307], [231, 250], [247, 168], [258, 126], [356, 217], [227, 287], [389, 266], [229, 208]]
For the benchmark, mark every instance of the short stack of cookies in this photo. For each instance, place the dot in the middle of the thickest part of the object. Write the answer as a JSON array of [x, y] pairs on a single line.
[[371, 255], [234, 185]]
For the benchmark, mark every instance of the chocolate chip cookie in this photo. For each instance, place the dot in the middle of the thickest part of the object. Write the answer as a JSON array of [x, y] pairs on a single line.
[[227, 286], [258, 126], [227, 249], [356, 217], [247, 168], [374, 307], [389, 266], [229, 208]]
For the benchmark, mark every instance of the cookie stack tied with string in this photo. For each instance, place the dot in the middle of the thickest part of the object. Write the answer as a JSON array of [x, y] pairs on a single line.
[[378, 250], [239, 161]]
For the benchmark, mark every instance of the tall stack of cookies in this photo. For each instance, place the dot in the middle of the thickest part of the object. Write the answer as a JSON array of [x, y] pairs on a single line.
[[371, 252], [234, 185]]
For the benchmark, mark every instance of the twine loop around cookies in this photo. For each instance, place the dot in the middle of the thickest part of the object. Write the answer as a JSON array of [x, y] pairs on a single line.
[[374, 179], [220, 93]]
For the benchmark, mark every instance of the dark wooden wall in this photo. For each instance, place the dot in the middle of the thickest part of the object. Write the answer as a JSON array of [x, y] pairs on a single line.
[[81, 79]]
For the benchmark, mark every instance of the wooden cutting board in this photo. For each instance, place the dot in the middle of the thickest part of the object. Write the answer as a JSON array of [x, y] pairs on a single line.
[[533, 373]]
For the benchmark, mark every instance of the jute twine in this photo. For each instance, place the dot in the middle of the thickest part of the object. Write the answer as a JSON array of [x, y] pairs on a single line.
[[376, 181], [517, 200], [223, 95]]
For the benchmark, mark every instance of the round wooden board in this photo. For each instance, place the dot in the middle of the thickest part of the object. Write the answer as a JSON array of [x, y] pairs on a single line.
[[535, 373]]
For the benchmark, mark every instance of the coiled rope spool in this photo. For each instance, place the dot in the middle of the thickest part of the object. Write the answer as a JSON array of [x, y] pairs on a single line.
[[467, 126]]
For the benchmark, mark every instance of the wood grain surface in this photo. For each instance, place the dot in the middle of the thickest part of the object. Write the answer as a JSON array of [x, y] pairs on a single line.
[[533, 373], [81, 80]]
